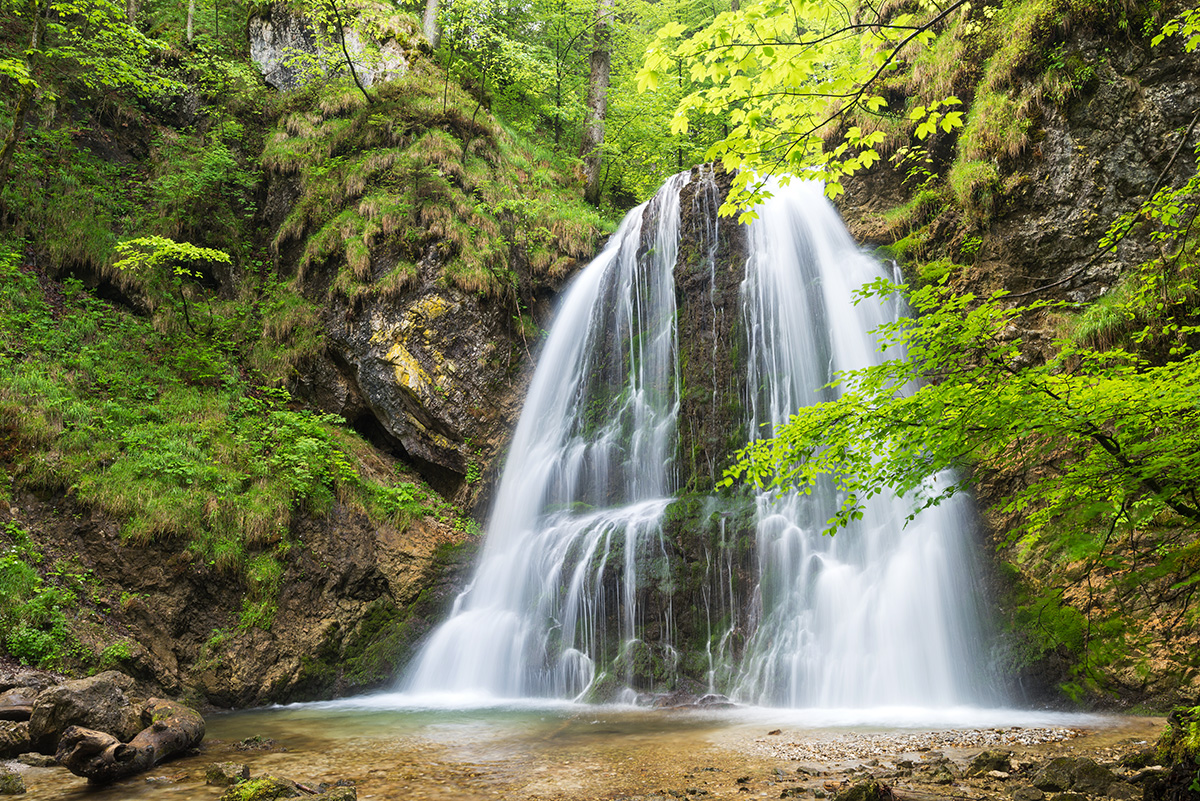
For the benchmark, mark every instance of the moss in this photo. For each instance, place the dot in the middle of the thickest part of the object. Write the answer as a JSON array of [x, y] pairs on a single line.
[[1180, 741], [265, 788]]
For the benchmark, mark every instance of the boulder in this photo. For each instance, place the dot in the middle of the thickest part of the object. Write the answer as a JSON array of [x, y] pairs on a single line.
[[1124, 791], [1026, 793], [1057, 775], [14, 738], [1091, 778], [98, 702]]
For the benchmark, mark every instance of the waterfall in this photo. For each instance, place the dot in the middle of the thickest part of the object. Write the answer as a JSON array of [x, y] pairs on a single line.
[[576, 581], [882, 612], [576, 524]]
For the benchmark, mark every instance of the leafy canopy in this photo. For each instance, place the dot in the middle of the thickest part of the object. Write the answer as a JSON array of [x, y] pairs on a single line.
[[788, 73]]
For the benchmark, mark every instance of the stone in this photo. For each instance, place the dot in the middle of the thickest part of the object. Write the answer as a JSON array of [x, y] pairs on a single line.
[[870, 790], [337, 794], [36, 760], [98, 702], [1055, 775], [14, 738], [11, 782], [264, 788], [17, 703], [1027, 793], [989, 761], [224, 774], [1090, 778], [1124, 791], [1069, 797], [285, 48]]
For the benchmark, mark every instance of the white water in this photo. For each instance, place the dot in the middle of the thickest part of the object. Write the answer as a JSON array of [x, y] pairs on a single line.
[[881, 615], [588, 476]]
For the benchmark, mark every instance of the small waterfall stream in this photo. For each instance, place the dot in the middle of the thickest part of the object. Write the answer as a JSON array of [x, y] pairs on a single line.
[[576, 574]]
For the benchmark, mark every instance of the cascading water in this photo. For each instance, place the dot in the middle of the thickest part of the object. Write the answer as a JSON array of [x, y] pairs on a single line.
[[883, 613], [576, 569], [578, 509]]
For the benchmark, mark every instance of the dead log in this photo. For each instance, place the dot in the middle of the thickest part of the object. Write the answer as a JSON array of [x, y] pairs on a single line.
[[171, 729]]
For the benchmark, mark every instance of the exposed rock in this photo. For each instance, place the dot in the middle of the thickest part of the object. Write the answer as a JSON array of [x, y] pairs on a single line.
[[263, 788], [1091, 778], [17, 703], [289, 51], [1055, 775], [98, 702], [1124, 791], [1026, 793], [11, 782], [14, 738], [223, 774], [337, 794], [36, 760], [987, 761], [869, 790], [170, 729]]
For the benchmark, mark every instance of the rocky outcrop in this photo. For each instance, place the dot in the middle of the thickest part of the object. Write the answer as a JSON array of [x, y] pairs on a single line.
[[354, 599], [291, 50], [708, 276]]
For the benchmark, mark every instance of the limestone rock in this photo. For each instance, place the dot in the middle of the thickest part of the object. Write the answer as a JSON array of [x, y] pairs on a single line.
[[14, 738], [97, 702], [289, 51]]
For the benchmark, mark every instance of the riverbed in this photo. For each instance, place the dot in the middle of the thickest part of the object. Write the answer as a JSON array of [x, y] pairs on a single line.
[[395, 747]]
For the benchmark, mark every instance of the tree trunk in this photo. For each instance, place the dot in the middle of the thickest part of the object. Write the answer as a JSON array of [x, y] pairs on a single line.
[[429, 23], [24, 100], [597, 102], [171, 729], [337, 17], [131, 11], [191, 20]]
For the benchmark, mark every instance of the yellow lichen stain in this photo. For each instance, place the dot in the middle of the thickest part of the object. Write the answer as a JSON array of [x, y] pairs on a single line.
[[408, 370]]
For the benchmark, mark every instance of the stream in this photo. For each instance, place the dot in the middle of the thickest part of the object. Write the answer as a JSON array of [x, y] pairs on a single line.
[[393, 748]]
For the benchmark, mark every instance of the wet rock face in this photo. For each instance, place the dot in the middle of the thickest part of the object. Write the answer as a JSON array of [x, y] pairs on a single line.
[[708, 276]]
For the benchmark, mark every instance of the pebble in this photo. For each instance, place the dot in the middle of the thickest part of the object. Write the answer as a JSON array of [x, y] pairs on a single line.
[[866, 746]]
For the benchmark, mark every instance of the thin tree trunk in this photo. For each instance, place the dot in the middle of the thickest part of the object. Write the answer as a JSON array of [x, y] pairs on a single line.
[[337, 17], [24, 100], [131, 11], [597, 101], [429, 23], [191, 21]]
